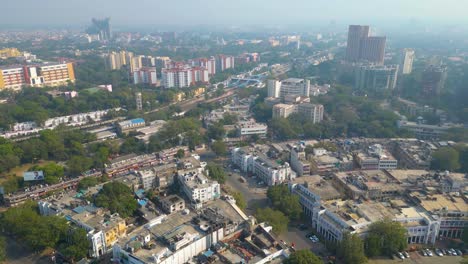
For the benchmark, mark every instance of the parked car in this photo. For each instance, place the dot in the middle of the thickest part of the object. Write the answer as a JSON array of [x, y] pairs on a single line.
[[429, 252], [459, 253], [444, 251], [438, 252], [400, 255], [423, 253], [406, 254]]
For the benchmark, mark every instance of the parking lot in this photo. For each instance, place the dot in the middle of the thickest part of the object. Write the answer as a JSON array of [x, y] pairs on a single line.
[[416, 258]]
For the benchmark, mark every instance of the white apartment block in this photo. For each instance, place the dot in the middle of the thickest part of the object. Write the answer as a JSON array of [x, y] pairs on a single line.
[[198, 188], [299, 162], [180, 77], [283, 110], [295, 86], [274, 87], [313, 112], [257, 163]]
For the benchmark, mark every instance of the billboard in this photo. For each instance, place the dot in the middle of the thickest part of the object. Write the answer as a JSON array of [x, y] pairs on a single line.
[[33, 175]]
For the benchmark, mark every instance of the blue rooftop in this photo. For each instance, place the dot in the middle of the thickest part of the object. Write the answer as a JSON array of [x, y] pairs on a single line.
[[137, 120], [79, 209]]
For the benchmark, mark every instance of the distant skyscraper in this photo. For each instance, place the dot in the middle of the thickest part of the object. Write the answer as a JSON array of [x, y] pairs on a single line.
[[356, 34], [102, 28], [433, 80], [362, 47], [373, 49], [274, 87], [406, 61], [139, 102]]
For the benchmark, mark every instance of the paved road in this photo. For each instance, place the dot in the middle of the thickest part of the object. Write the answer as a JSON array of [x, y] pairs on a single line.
[[415, 258]]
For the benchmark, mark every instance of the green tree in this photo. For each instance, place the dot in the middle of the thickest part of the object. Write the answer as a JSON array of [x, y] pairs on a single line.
[[351, 249], [303, 256], [216, 131], [76, 165], [53, 172], [87, 182], [272, 217], [2, 249], [282, 199], [77, 244], [216, 173], [180, 153], [385, 238], [219, 148], [240, 200], [118, 198], [446, 158]]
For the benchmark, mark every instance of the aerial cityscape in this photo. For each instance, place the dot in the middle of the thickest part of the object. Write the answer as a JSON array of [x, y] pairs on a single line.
[[241, 132]]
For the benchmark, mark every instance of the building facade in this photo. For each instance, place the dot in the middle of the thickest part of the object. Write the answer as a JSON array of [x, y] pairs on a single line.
[[376, 78]]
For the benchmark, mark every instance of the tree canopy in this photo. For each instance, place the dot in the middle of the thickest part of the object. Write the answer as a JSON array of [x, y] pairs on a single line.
[[118, 198], [272, 217], [385, 238], [446, 158], [216, 173], [284, 201], [351, 249], [303, 256]]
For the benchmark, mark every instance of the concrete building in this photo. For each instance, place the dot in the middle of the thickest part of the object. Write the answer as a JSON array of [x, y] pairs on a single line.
[[375, 158], [207, 63], [250, 128], [224, 62], [274, 87], [312, 112], [299, 162], [198, 188], [413, 154], [406, 61], [130, 125], [9, 53], [355, 35], [172, 203], [283, 110], [433, 80], [295, 86], [376, 78], [12, 77], [362, 47], [180, 77], [255, 162], [424, 131], [145, 75]]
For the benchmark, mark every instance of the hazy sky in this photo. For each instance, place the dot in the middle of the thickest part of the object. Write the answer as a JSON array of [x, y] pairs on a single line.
[[226, 12]]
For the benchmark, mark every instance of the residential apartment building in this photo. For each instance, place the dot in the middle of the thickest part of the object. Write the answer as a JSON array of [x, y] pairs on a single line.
[[184, 76], [312, 112], [274, 87], [224, 62], [299, 162], [37, 75], [362, 47], [198, 188], [283, 110], [208, 63], [257, 163], [145, 75]]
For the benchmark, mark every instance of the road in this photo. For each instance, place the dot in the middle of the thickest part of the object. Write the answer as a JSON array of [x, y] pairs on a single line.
[[415, 258]]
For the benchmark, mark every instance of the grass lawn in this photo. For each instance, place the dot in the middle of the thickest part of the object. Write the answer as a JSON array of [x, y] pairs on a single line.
[[18, 171]]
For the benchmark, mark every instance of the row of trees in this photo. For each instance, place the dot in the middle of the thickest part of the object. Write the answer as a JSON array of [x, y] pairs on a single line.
[[384, 237], [42, 232], [451, 158]]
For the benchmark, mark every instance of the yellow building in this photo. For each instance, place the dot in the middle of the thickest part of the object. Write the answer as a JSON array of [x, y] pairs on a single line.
[[114, 231], [199, 91], [9, 53], [178, 97]]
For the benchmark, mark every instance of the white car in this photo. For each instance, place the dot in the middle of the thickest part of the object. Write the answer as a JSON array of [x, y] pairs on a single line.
[[400, 255], [429, 252]]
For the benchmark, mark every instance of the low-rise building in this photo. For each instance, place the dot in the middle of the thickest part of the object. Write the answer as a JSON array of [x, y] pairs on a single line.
[[413, 154], [424, 131], [375, 158], [250, 128], [256, 162], [299, 162], [198, 188], [130, 125], [172, 203]]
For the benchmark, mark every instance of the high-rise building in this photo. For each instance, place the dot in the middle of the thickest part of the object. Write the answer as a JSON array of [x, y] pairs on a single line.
[[313, 112], [139, 101], [373, 49], [406, 61], [274, 87], [207, 63], [145, 75], [224, 62], [36, 75], [100, 27], [376, 77], [183, 76], [433, 80], [356, 34], [362, 47], [295, 86]]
